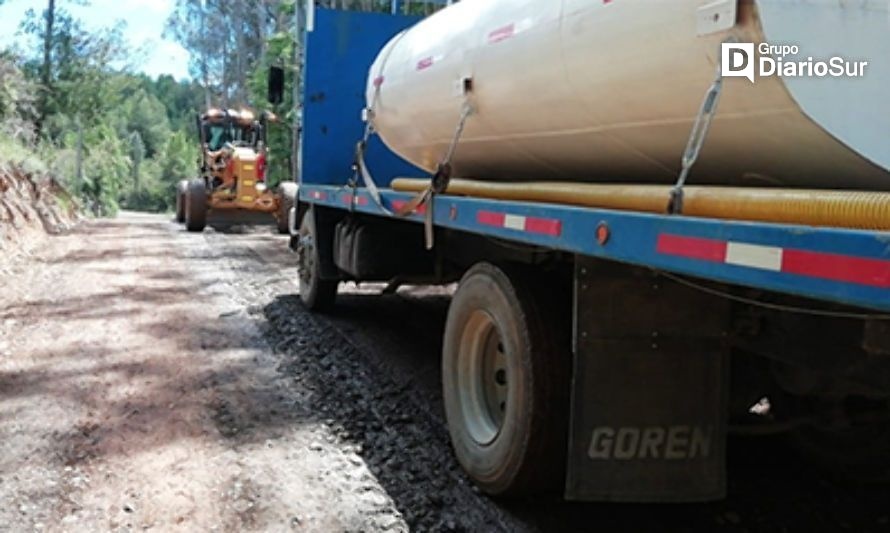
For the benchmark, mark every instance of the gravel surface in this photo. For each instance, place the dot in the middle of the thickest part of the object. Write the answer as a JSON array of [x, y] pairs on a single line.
[[154, 379]]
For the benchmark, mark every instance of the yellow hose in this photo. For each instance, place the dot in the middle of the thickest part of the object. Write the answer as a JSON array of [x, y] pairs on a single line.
[[840, 209]]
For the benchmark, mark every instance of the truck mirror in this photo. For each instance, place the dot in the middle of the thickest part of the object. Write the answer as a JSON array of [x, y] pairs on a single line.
[[276, 85]]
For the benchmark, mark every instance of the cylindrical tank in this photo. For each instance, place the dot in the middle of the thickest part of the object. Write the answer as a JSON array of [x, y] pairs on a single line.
[[608, 90]]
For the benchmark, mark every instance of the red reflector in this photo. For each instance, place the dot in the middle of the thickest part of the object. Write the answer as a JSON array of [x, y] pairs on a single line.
[[603, 233]]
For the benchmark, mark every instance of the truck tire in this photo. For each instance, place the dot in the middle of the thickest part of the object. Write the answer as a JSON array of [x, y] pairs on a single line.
[[317, 294], [181, 190], [287, 193], [505, 371], [196, 206], [856, 454]]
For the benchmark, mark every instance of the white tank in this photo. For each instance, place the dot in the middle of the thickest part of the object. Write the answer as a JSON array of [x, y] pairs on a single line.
[[608, 90]]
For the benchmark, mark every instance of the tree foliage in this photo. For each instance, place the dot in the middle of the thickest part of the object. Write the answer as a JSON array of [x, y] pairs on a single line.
[[73, 103]]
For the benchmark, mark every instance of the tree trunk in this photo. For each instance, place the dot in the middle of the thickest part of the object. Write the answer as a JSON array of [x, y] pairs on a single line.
[[205, 71], [47, 64], [78, 171], [226, 78], [261, 30], [240, 53]]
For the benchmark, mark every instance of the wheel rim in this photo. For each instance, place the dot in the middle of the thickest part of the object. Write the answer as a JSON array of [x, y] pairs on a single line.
[[483, 378]]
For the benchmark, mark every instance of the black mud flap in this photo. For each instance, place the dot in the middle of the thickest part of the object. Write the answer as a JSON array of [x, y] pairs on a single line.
[[650, 388]]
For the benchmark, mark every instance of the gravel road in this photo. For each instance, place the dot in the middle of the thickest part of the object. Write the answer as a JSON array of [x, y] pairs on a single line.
[[155, 379]]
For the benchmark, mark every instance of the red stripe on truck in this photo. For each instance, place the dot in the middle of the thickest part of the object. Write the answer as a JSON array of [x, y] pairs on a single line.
[[541, 226], [544, 226], [692, 247], [350, 199], [398, 205], [849, 269], [490, 218], [819, 265]]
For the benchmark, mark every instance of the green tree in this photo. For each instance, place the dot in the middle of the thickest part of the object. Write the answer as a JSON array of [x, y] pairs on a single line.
[[106, 166], [145, 114], [179, 160], [128, 120], [137, 156]]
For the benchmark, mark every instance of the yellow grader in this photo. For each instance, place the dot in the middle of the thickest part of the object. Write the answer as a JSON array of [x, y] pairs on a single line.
[[232, 186]]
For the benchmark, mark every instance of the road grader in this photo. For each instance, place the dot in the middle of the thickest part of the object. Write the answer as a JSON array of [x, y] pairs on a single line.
[[231, 188]]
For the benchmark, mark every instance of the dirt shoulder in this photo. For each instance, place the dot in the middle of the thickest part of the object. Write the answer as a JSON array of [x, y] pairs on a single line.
[[32, 206]]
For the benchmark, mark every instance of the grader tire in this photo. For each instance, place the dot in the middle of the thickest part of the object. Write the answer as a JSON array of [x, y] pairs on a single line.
[[857, 454], [196, 206], [181, 191], [506, 371]]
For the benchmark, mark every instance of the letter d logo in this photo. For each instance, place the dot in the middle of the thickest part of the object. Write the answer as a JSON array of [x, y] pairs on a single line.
[[738, 60]]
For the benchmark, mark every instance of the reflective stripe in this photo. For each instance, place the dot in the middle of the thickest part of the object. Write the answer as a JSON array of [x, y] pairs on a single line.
[[541, 226], [754, 256], [821, 265]]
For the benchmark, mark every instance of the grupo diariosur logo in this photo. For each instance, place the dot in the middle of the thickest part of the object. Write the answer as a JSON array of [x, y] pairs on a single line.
[[739, 60]]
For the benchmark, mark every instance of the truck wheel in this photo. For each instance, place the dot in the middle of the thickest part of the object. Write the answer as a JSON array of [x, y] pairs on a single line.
[[857, 454], [287, 192], [196, 206], [181, 190], [316, 293], [505, 371]]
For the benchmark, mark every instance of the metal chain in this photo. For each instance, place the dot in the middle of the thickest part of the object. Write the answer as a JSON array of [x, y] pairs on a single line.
[[439, 182], [442, 177], [698, 135]]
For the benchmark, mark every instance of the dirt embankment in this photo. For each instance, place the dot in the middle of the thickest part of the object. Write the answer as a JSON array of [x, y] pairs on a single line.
[[32, 205]]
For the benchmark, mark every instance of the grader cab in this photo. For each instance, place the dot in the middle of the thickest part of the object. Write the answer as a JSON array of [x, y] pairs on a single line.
[[231, 188]]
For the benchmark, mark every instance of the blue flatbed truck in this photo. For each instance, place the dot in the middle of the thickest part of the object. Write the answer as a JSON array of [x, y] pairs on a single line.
[[606, 354]]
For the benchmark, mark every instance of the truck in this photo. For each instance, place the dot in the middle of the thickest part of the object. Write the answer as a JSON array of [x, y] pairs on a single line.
[[603, 352]]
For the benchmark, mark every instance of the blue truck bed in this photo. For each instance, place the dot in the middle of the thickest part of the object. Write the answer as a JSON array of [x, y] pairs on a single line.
[[651, 358], [842, 266]]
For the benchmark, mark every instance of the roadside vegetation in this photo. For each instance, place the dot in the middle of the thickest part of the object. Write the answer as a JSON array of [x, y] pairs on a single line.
[[73, 105]]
